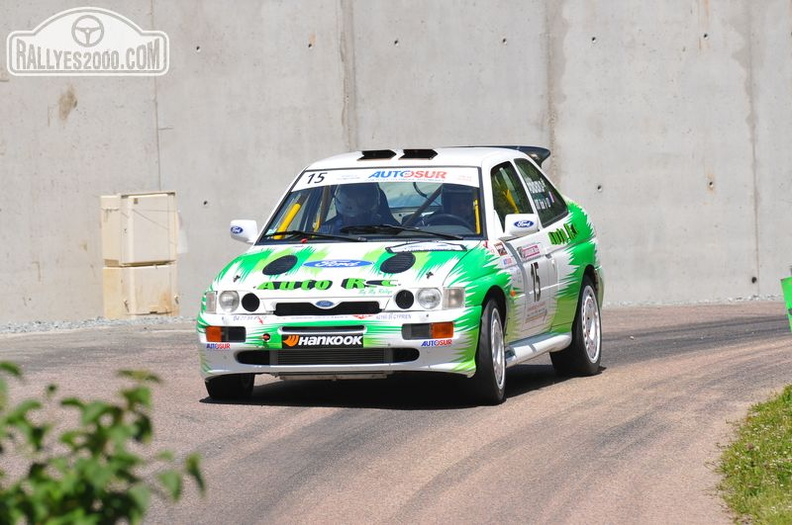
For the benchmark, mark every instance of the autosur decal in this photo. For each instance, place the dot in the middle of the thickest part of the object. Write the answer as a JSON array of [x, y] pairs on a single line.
[[409, 174], [437, 342]]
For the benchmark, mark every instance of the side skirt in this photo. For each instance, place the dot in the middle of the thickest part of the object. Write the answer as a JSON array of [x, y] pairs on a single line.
[[526, 349]]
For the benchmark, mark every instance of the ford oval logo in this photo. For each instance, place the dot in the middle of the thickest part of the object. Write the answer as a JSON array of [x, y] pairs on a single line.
[[324, 304], [524, 223], [337, 263], [236, 230]]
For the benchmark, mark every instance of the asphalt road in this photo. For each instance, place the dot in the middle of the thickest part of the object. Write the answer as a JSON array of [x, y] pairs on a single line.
[[634, 444]]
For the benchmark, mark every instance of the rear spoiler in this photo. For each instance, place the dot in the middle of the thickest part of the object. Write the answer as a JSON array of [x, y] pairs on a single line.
[[538, 154]]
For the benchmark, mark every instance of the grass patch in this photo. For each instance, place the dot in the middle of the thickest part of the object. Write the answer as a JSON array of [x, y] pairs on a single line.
[[757, 467]]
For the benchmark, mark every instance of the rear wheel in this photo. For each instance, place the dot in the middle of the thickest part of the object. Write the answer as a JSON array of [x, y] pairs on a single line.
[[489, 381], [582, 356], [236, 386]]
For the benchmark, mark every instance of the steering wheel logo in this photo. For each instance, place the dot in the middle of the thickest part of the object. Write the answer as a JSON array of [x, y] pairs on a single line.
[[87, 31]]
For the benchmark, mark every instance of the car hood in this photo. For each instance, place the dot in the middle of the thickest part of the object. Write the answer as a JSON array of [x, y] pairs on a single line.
[[344, 270]]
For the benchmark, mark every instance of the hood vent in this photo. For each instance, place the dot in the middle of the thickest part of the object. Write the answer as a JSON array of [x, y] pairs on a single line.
[[401, 262], [280, 265]]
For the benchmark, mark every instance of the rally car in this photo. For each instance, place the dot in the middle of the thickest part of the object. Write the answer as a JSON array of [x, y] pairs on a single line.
[[460, 260]]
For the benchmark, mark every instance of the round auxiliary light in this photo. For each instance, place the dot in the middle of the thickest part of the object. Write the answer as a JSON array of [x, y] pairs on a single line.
[[250, 302], [404, 299], [228, 301], [429, 298]]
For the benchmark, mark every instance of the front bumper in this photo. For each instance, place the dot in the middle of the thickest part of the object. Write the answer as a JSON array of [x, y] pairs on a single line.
[[338, 346]]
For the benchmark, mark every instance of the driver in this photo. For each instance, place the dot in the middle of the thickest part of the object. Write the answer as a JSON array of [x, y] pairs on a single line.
[[458, 200], [357, 205]]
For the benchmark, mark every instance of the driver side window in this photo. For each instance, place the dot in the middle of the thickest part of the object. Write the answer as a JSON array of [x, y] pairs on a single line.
[[508, 192], [549, 203]]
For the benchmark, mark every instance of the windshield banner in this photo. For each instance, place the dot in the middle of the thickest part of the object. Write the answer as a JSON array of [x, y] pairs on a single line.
[[435, 174]]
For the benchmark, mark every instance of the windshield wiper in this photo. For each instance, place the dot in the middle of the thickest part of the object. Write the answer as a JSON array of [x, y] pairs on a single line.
[[392, 228], [314, 234]]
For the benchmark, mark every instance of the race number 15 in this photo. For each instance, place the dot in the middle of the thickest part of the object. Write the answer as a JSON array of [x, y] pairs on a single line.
[[316, 178]]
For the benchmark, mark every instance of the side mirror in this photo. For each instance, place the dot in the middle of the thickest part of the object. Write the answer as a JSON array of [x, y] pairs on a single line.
[[519, 224], [244, 230]]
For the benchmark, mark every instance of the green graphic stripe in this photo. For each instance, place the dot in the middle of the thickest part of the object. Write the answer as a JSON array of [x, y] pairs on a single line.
[[581, 253]]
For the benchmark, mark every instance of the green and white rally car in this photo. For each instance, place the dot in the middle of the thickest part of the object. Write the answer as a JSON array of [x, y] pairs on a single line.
[[462, 260]]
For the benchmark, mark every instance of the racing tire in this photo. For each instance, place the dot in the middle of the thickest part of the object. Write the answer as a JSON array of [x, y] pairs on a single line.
[[230, 387], [582, 357], [489, 381]]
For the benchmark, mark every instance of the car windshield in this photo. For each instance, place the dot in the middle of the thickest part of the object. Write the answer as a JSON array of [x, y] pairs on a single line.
[[371, 204]]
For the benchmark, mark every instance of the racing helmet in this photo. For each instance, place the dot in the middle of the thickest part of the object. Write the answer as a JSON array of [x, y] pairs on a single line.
[[357, 201]]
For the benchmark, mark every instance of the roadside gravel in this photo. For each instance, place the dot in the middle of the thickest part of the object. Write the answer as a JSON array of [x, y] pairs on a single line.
[[46, 326]]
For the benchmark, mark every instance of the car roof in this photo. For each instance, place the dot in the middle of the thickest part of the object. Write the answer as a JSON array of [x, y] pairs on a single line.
[[447, 156]]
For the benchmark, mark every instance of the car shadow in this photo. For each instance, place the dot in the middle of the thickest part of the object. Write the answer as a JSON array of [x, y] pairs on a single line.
[[400, 392]]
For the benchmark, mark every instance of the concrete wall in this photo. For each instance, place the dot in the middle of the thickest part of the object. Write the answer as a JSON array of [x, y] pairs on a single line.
[[669, 121]]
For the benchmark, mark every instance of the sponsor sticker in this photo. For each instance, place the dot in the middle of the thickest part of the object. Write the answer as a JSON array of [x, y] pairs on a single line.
[[437, 342], [218, 346], [323, 341], [337, 263], [507, 262], [351, 283], [434, 175], [427, 247], [310, 284], [564, 235], [529, 252], [393, 317]]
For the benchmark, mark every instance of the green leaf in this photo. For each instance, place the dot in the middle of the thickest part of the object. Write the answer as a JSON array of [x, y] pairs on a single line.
[[172, 482], [192, 465], [10, 368], [137, 396], [165, 455], [51, 390], [72, 402], [92, 412], [141, 376], [140, 496]]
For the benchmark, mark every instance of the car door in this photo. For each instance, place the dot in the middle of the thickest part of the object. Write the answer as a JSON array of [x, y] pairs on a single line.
[[532, 253], [552, 209]]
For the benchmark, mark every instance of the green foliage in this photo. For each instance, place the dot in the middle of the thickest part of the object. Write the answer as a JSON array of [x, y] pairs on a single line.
[[88, 473], [757, 467]]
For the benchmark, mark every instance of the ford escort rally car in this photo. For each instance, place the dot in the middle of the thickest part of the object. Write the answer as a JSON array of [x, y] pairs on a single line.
[[461, 260]]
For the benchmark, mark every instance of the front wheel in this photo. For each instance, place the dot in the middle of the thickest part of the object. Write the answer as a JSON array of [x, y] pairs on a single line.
[[229, 387], [489, 381], [582, 356]]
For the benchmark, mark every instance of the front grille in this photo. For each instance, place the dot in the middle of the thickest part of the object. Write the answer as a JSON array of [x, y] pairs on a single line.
[[348, 308], [328, 356]]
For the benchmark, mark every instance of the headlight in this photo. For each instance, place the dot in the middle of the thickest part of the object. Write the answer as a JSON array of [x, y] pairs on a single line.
[[228, 301], [210, 299], [454, 298], [429, 298]]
